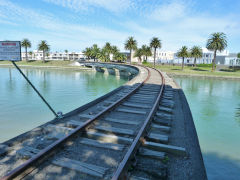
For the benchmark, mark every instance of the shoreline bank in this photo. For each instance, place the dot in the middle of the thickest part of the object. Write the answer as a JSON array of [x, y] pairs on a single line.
[[203, 76], [51, 67]]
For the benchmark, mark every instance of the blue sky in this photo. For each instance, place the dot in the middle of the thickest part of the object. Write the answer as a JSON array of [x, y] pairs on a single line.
[[76, 24]]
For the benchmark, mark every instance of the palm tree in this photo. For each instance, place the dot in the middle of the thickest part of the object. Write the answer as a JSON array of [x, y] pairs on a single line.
[[27, 44], [139, 53], [216, 42], [108, 50], [119, 56], [116, 52], [196, 52], [30, 53], [94, 51], [130, 44], [155, 43], [102, 55], [115, 49], [183, 52], [238, 55], [44, 47], [87, 52], [144, 50], [66, 51], [148, 52]]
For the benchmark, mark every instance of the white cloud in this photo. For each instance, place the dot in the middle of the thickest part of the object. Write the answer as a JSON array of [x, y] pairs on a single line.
[[83, 5], [169, 11], [174, 29], [53, 29]]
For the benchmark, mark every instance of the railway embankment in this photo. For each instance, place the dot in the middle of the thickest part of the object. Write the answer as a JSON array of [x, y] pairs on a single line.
[[141, 130]]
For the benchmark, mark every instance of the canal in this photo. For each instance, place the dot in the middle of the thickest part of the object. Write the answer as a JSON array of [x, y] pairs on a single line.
[[21, 109], [215, 105]]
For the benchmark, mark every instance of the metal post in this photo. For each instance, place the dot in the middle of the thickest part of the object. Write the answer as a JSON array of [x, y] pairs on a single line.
[[55, 114]]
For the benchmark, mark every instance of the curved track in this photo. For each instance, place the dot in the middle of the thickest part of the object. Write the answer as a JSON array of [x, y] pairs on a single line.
[[102, 145]]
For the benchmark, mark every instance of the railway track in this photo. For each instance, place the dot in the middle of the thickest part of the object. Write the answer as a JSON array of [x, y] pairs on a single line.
[[120, 139]]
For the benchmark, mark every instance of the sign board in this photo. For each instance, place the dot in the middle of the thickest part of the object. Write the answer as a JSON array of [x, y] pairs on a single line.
[[10, 50]]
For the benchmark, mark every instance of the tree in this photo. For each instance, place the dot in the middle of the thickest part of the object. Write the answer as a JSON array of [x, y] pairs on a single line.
[[108, 50], [216, 42], [183, 52], [87, 52], [119, 56], [26, 44], [30, 53], [196, 52], [115, 50], [130, 44], [66, 51], [44, 47], [155, 43], [116, 53], [146, 50], [139, 53], [94, 51], [102, 55], [238, 55]]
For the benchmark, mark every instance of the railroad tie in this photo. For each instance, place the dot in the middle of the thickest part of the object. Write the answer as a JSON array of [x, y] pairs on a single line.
[[85, 116], [160, 128], [152, 154], [166, 104], [121, 121], [135, 105], [157, 137], [101, 144], [3, 149], [166, 148], [130, 111], [82, 167], [114, 130], [109, 138], [26, 152], [164, 116], [165, 109], [54, 131]]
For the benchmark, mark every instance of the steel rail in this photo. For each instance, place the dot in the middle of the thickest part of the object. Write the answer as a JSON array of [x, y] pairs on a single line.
[[120, 173], [31, 164]]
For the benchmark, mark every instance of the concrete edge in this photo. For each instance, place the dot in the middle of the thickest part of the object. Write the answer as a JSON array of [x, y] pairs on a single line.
[[192, 128]]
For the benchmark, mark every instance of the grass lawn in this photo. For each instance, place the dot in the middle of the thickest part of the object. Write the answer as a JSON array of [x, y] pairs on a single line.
[[40, 63], [203, 71]]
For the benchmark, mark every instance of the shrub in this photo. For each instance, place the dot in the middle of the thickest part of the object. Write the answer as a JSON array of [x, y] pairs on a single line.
[[204, 65]]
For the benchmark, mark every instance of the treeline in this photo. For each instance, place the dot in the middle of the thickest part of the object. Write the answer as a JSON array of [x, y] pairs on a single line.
[[216, 42], [142, 53]]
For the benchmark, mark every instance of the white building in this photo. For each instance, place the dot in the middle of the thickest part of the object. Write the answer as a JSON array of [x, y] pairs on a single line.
[[230, 60], [206, 58], [38, 55], [161, 57]]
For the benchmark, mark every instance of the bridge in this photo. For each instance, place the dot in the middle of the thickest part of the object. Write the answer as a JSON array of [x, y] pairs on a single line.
[[113, 69], [141, 130]]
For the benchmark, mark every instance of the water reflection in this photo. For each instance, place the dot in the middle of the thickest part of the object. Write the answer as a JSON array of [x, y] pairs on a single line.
[[10, 82], [215, 105], [65, 90], [237, 115]]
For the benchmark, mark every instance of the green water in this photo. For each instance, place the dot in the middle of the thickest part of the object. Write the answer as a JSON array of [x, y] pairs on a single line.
[[215, 105], [21, 109]]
